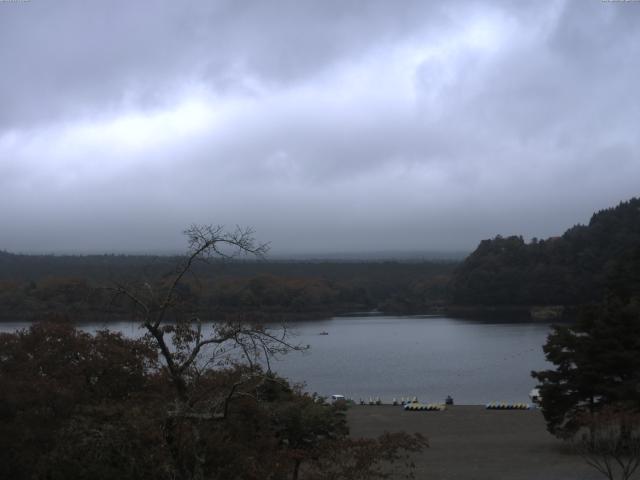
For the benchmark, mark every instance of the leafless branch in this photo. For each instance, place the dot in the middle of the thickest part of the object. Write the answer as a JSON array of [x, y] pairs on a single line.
[[612, 443], [182, 353]]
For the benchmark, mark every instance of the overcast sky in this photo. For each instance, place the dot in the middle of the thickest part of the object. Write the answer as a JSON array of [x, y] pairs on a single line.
[[328, 126]]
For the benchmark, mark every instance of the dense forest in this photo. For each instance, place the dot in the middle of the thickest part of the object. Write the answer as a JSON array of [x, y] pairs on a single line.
[[579, 267], [80, 287], [573, 269]]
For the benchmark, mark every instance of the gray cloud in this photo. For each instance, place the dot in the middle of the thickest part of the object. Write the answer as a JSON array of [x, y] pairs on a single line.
[[329, 126]]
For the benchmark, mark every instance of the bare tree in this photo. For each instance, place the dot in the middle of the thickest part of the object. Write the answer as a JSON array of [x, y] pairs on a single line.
[[610, 442], [187, 347]]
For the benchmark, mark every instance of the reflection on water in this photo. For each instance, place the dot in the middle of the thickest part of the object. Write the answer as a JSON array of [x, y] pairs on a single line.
[[390, 356]]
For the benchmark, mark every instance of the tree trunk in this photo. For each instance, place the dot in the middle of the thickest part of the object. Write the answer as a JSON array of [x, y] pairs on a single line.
[[296, 469]]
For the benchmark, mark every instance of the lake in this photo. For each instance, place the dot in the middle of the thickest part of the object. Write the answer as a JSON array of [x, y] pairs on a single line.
[[390, 357]]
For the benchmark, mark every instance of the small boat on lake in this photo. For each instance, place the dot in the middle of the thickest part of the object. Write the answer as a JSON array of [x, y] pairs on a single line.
[[323, 333]]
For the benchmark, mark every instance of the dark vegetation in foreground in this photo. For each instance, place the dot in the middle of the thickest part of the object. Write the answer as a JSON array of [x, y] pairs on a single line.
[[592, 395], [76, 406]]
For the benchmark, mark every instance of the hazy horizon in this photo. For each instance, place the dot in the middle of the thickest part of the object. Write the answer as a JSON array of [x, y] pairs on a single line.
[[277, 256]]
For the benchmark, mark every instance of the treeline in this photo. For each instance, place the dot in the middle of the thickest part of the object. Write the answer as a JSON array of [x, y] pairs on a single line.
[[577, 268], [79, 287]]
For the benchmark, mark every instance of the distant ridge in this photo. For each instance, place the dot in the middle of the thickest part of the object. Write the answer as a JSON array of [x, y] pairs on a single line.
[[376, 256]]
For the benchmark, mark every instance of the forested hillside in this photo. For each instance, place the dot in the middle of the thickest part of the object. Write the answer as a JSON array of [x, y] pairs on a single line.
[[78, 286], [577, 268]]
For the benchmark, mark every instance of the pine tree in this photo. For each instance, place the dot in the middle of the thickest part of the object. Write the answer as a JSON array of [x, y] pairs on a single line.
[[597, 364]]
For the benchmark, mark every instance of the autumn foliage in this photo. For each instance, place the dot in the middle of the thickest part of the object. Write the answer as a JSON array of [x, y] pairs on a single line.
[[81, 406]]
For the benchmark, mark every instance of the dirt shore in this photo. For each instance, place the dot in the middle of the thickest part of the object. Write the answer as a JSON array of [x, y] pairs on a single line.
[[472, 443]]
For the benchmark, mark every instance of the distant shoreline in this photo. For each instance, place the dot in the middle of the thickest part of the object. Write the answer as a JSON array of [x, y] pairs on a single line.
[[482, 312], [543, 313]]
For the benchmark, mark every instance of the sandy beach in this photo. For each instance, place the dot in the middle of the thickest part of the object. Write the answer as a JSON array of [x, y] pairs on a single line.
[[472, 443]]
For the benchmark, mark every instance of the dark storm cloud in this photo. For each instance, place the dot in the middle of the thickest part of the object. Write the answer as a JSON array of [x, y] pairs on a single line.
[[328, 126]]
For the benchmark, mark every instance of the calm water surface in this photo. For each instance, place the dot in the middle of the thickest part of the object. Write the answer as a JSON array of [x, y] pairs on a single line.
[[398, 356]]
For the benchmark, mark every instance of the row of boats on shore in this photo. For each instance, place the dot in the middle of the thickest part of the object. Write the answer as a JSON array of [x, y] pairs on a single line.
[[412, 403]]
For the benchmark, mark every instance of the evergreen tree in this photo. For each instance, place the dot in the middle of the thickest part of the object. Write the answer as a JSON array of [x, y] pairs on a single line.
[[597, 364]]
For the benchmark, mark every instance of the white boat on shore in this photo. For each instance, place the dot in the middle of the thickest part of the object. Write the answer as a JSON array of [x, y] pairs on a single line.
[[535, 397]]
